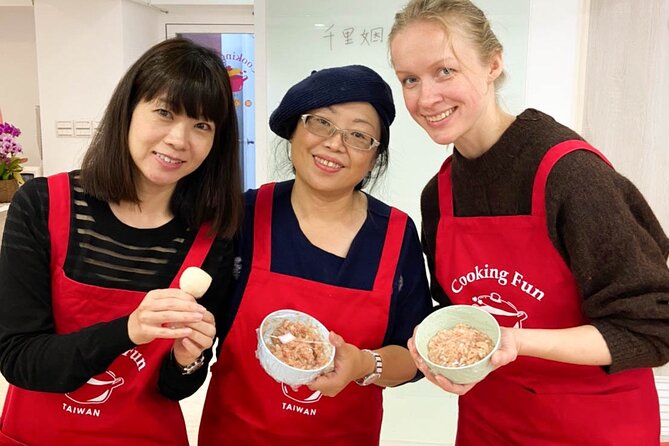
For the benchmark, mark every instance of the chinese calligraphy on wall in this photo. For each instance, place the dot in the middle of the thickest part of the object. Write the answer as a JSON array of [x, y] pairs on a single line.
[[350, 36]]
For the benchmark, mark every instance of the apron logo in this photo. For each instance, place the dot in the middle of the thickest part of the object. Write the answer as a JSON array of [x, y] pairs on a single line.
[[136, 357], [504, 311], [97, 390], [501, 276], [303, 395]]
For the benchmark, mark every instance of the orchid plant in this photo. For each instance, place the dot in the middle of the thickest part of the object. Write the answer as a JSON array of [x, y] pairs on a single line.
[[10, 153]]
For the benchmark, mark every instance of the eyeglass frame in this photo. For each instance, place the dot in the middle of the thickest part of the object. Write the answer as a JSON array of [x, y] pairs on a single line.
[[344, 132]]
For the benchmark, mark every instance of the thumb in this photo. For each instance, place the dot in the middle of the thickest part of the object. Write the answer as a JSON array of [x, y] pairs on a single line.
[[501, 357], [335, 339]]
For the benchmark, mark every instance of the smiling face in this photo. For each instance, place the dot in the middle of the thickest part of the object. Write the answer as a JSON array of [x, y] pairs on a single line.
[[325, 164], [447, 88], [165, 146]]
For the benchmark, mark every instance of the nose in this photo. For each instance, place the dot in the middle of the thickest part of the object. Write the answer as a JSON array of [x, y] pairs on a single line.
[[336, 140], [429, 94], [177, 135]]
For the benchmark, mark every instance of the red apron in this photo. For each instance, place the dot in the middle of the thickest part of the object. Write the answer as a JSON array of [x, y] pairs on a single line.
[[508, 266], [119, 406], [245, 406]]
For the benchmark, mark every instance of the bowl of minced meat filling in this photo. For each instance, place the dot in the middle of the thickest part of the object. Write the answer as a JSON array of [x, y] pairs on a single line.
[[293, 347], [457, 342]]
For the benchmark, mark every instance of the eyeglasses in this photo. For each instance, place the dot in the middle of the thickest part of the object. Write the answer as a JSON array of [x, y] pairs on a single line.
[[354, 139]]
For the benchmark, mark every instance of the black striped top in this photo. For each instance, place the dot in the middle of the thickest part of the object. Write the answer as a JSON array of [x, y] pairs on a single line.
[[102, 251]]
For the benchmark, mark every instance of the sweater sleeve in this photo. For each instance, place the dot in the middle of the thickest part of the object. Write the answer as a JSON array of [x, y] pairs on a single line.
[[616, 249], [32, 356]]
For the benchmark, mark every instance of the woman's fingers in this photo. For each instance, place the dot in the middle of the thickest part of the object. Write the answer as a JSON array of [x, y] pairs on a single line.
[[201, 337], [165, 314]]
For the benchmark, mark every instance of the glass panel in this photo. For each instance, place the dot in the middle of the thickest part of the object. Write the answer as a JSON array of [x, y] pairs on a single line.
[[237, 51]]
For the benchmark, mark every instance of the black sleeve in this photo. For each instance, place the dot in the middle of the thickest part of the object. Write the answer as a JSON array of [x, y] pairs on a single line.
[[172, 383], [32, 356], [411, 301], [176, 386]]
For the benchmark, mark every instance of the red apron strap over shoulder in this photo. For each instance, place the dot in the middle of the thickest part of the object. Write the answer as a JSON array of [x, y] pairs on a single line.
[[391, 251], [445, 188], [549, 160], [59, 216], [198, 251], [262, 227]]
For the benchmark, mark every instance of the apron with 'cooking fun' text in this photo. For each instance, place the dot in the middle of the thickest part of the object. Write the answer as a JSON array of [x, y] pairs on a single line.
[[508, 266], [245, 406], [121, 406]]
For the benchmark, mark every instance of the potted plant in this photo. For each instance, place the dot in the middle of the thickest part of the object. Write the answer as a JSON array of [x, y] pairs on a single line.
[[10, 161]]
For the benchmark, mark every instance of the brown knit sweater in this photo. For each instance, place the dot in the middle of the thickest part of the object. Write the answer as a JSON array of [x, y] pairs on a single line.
[[597, 220]]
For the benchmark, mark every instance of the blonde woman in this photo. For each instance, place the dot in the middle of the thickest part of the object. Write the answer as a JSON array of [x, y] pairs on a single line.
[[531, 223]]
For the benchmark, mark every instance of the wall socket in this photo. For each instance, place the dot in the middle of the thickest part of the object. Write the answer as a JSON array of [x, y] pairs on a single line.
[[78, 129]]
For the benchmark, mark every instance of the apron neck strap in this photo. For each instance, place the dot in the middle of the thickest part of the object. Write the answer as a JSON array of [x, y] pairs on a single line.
[[549, 160]]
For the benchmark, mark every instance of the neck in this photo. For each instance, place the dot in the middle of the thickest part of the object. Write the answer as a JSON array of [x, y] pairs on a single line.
[[490, 127], [152, 211], [331, 220], [327, 206]]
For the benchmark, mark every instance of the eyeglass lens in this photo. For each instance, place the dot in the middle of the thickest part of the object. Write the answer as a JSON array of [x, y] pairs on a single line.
[[354, 138]]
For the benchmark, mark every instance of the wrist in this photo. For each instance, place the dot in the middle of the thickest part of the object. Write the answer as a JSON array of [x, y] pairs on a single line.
[[368, 364], [376, 370], [189, 367], [521, 342]]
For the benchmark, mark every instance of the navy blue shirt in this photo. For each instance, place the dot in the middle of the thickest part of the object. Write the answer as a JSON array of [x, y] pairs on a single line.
[[294, 255]]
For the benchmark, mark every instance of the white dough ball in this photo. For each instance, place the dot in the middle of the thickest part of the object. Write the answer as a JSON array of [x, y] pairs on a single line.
[[194, 281]]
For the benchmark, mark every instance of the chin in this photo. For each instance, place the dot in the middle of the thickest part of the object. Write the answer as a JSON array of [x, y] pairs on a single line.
[[441, 138]]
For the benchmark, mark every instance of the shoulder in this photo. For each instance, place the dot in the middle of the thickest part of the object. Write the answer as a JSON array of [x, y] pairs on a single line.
[[534, 128], [377, 207], [281, 190], [381, 211], [33, 188], [29, 212], [429, 200], [430, 192], [250, 198], [583, 169], [32, 198]]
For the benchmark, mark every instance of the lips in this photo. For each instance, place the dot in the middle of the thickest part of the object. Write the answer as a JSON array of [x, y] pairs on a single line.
[[328, 163], [167, 159], [441, 116]]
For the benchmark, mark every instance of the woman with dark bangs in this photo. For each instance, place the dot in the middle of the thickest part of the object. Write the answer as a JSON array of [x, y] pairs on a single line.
[[96, 339]]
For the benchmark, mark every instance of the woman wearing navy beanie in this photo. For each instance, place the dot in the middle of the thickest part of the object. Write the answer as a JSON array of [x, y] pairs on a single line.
[[320, 245]]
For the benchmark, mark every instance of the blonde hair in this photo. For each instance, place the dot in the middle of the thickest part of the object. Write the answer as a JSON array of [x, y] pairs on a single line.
[[453, 14]]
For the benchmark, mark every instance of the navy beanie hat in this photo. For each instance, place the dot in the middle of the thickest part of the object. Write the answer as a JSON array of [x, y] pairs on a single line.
[[352, 83]]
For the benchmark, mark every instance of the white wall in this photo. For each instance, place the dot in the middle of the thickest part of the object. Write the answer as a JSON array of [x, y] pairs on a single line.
[[556, 56], [80, 54], [18, 76], [83, 48], [141, 30]]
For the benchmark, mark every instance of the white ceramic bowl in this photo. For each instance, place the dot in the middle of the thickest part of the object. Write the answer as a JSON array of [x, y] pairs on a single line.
[[446, 318], [277, 369]]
